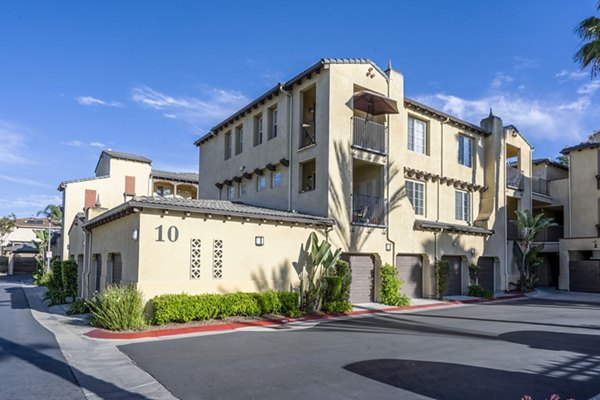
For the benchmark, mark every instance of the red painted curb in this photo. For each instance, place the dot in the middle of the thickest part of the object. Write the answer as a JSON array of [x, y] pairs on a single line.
[[104, 334]]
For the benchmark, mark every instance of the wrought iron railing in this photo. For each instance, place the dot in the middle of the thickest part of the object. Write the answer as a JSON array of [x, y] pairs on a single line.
[[367, 210], [307, 135], [368, 135], [551, 234]]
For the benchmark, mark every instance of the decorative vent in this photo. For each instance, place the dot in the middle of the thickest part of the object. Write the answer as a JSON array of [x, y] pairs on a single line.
[[218, 259], [195, 259]]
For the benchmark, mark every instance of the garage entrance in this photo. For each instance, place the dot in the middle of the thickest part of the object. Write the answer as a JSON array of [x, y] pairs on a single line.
[[584, 276], [486, 273], [454, 275], [362, 268], [410, 270]]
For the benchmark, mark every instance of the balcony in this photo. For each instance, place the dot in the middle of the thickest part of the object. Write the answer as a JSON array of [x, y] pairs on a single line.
[[550, 234], [367, 210], [514, 178], [307, 135], [368, 135], [540, 186]]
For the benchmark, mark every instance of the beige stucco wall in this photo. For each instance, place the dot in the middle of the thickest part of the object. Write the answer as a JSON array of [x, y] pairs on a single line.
[[584, 193]]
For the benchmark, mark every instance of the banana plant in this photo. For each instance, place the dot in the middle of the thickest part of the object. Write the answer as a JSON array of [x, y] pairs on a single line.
[[321, 263]]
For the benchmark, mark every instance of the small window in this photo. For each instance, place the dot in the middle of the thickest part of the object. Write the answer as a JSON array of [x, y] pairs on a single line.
[[261, 183], [276, 179], [130, 184], [239, 139], [415, 191], [228, 145], [163, 191], [231, 192], [308, 176], [417, 135], [90, 198], [462, 206], [465, 151], [273, 123], [242, 189], [258, 130]]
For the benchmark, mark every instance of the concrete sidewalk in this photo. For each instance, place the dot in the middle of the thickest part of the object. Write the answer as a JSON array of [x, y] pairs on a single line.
[[101, 370]]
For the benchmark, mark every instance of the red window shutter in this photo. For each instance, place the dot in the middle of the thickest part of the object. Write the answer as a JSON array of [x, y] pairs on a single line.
[[130, 184], [90, 198]]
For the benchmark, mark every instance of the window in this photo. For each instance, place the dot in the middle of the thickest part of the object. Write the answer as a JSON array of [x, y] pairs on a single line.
[[231, 192], [117, 268], [90, 198], [239, 139], [462, 206], [163, 191], [130, 184], [228, 145], [273, 126], [307, 176], [415, 191], [465, 151], [417, 135], [261, 183], [258, 130], [242, 189], [276, 179]]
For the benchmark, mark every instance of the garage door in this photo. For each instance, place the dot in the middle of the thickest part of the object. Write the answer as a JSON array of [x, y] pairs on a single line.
[[410, 270], [584, 276], [24, 264], [454, 276], [361, 288], [486, 273]]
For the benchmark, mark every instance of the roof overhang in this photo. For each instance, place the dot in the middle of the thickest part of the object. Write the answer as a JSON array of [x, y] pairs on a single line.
[[433, 226]]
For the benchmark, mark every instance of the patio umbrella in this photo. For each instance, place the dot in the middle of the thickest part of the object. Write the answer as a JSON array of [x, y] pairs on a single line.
[[374, 103]]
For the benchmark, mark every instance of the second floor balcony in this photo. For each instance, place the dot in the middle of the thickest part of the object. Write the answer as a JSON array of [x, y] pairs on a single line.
[[514, 178], [549, 235], [540, 186], [368, 135], [368, 210]]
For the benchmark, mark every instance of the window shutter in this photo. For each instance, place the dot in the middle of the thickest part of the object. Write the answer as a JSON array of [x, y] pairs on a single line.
[[90, 198], [130, 184]]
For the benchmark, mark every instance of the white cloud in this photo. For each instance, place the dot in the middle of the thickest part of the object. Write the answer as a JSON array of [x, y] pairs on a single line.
[[524, 63], [589, 88], [572, 75], [79, 143], [12, 145], [98, 144], [23, 181], [500, 79], [26, 205], [216, 105], [93, 101]]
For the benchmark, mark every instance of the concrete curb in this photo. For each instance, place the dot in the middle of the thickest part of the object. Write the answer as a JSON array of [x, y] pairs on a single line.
[[157, 333]]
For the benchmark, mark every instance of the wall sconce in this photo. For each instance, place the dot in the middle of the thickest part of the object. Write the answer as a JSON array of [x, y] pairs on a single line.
[[259, 240], [595, 244], [134, 234], [388, 247], [472, 251], [454, 242]]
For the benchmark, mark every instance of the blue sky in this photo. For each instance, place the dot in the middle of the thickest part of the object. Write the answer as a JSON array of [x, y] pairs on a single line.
[[150, 77]]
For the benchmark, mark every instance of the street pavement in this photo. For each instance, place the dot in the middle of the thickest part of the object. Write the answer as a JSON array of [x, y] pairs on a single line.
[[31, 363], [491, 351]]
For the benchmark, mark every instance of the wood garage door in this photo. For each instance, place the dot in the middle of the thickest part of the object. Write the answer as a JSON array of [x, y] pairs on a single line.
[[24, 264], [486, 273], [361, 288], [410, 270], [454, 276], [584, 276]]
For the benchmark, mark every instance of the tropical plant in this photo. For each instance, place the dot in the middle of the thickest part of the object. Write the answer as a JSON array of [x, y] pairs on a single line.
[[525, 252], [320, 264], [589, 52], [441, 270], [474, 274], [7, 223], [41, 245], [53, 212], [118, 308]]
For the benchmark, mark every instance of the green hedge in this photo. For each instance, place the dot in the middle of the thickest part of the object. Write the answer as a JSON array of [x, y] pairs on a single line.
[[184, 308], [390, 287]]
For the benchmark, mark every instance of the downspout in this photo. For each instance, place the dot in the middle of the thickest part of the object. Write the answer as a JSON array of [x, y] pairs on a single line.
[[290, 120], [387, 180], [86, 262], [503, 159], [570, 200]]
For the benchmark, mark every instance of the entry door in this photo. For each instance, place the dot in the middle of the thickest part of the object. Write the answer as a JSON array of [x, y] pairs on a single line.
[[361, 288], [454, 276], [410, 270], [486, 273]]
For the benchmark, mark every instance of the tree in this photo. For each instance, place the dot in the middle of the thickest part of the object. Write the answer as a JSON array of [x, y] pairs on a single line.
[[525, 252], [7, 224], [53, 212], [563, 159], [589, 52]]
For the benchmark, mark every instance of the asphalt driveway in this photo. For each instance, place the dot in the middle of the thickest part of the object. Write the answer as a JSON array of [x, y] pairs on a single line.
[[489, 351]]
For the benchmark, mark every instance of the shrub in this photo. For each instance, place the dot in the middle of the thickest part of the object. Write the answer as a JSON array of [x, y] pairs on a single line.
[[390, 287], [337, 307], [118, 308], [342, 269], [478, 291], [185, 308], [440, 271], [69, 278], [474, 274], [78, 306], [55, 294]]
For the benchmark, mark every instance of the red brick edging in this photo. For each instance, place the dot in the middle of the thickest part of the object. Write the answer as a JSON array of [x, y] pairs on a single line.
[[104, 334]]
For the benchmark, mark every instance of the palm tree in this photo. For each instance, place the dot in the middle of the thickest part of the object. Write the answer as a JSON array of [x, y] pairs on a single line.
[[589, 53], [53, 212]]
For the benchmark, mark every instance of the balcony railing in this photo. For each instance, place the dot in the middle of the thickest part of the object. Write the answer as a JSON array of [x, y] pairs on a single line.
[[368, 210], [550, 234], [513, 231], [307, 135], [540, 186], [514, 178], [368, 135]]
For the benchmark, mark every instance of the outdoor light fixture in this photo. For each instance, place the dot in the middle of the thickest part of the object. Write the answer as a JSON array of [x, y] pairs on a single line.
[[259, 240], [595, 244], [388, 247], [134, 234], [472, 251]]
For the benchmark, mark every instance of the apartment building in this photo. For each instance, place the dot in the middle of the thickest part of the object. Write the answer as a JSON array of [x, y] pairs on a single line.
[[337, 149]]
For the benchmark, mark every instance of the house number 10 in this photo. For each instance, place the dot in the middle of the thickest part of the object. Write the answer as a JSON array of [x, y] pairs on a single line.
[[172, 233]]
